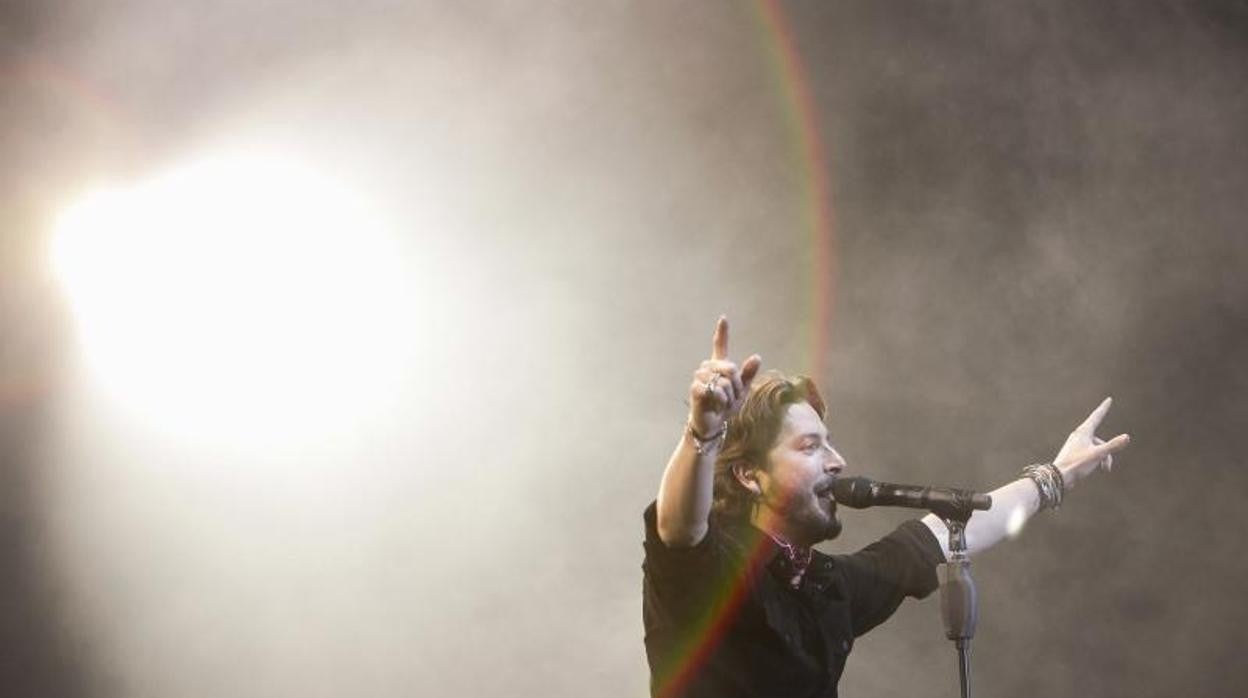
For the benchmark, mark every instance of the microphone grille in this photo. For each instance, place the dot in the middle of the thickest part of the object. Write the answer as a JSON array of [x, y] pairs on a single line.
[[853, 492]]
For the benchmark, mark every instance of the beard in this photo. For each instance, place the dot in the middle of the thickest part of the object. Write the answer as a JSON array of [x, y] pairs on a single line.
[[811, 521], [804, 514]]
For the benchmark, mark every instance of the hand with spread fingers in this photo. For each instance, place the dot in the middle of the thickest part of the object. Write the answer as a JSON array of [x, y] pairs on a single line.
[[719, 386], [1084, 452]]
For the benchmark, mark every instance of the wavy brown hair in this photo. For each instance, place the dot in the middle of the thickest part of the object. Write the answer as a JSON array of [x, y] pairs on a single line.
[[753, 431]]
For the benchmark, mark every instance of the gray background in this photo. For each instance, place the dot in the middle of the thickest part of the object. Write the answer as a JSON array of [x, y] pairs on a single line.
[[1037, 204]]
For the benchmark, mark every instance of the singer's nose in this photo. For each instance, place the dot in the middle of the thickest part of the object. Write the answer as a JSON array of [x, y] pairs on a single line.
[[834, 463]]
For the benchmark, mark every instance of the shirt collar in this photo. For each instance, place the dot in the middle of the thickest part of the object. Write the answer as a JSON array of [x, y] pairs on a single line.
[[777, 555]]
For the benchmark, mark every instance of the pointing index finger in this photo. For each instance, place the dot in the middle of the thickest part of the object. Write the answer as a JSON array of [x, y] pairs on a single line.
[[719, 344], [1094, 420]]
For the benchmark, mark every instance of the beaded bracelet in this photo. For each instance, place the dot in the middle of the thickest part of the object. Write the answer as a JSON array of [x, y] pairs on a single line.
[[1049, 482], [703, 444]]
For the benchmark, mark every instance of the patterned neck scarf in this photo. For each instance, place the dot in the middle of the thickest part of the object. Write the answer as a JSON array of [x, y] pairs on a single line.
[[798, 557]]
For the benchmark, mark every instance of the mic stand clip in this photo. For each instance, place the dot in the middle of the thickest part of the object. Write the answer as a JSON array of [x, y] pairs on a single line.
[[959, 604]]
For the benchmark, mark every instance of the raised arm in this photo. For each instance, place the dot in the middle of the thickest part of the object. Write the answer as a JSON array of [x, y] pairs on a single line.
[[1012, 504], [685, 493]]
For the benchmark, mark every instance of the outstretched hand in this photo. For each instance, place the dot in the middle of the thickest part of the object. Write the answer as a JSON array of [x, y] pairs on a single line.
[[1084, 452], [719, 385]]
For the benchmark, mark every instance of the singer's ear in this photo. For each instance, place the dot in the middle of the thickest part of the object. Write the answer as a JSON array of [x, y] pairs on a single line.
[[747, 477]]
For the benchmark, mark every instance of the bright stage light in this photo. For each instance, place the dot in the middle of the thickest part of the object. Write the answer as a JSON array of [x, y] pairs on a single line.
[[242, 297]]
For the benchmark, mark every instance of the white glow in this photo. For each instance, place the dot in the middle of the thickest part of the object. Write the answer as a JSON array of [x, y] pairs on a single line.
[[1014, 524], [238, 297]]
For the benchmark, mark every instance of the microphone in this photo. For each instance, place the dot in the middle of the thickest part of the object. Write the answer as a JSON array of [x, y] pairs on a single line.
[[861, 492]]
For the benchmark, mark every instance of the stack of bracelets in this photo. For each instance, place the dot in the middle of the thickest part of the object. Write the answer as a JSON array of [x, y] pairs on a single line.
[[1049, 481]]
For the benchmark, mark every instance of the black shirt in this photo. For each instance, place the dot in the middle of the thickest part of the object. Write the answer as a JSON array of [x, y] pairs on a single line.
[[722, 620]]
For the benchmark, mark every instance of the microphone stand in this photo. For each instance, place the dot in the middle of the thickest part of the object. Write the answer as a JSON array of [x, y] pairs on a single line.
[[959, 604]]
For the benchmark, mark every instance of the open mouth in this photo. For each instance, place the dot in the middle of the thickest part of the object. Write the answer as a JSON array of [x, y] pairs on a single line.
[[823, 494]]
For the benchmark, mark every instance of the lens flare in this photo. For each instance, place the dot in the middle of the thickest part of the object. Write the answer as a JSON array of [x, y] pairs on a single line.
[[1014, 524]]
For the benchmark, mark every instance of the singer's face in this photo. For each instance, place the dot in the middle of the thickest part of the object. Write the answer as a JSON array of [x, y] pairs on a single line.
[[800, 469]]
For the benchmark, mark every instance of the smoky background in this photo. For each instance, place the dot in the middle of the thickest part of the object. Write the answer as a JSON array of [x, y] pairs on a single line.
[[1036, 205]]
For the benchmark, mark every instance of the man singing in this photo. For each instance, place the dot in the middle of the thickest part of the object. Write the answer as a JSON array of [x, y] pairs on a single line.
[[736, 600]]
